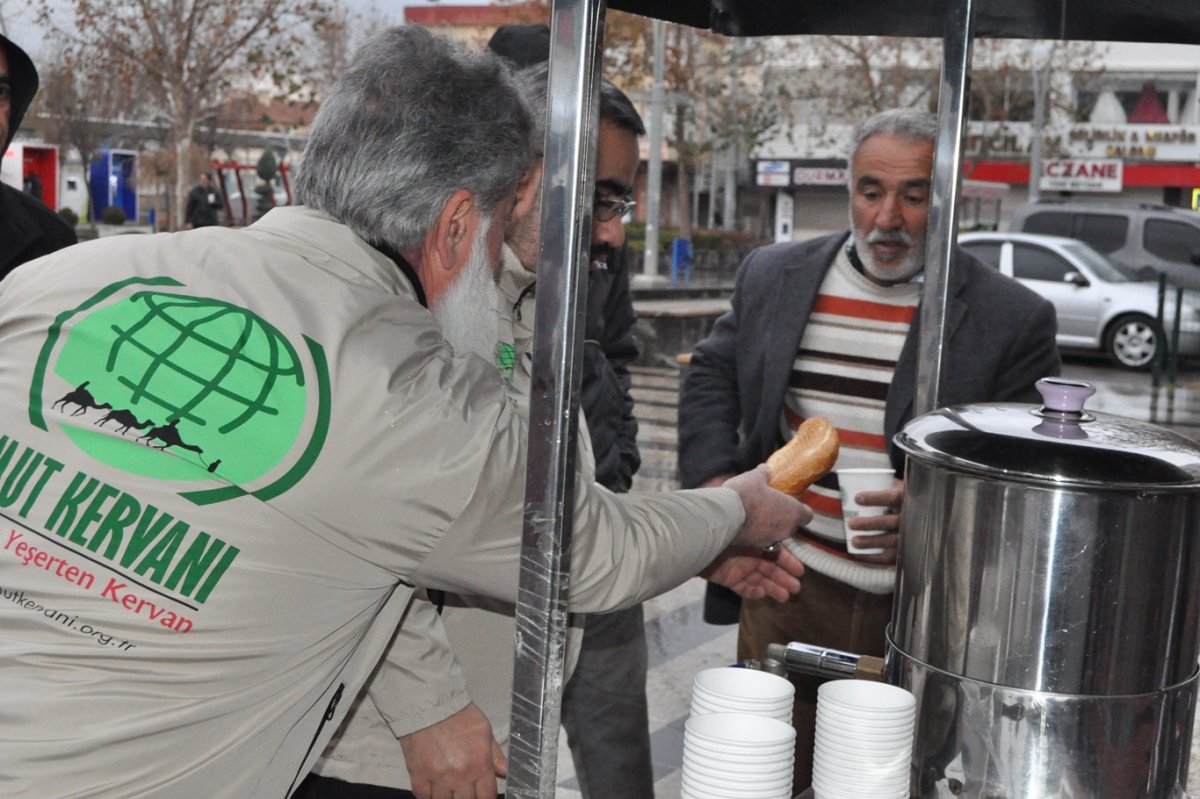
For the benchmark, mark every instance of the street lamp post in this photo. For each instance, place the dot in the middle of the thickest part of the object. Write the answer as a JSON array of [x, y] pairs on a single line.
[[654, 164]]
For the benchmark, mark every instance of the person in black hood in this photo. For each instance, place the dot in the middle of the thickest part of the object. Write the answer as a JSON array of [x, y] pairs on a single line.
[[28, 229]]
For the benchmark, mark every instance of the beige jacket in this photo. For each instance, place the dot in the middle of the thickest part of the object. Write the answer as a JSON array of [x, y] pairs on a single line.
[[480, 631], [229, 459]]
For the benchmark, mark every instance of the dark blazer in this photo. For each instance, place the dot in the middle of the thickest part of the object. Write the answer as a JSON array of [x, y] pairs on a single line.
[[1000, 340]]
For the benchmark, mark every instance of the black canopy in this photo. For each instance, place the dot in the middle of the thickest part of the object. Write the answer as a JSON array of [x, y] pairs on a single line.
[[1093, 20]]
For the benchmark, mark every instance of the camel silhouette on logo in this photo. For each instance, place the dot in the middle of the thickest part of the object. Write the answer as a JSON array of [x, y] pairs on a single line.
[[169, 435], [125, 421], [82, 397]]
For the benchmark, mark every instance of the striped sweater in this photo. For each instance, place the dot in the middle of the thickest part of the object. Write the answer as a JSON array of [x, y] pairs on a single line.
[[842, 371]]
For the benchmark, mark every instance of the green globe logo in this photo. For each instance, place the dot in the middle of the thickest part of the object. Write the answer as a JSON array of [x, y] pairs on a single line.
[[178, 387]]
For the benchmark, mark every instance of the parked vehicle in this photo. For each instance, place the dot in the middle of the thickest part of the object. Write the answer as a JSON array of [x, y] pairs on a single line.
[[1099, 306], [1137, 235]]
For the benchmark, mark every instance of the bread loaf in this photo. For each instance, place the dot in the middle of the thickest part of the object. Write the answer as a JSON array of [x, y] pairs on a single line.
[[802, 461]]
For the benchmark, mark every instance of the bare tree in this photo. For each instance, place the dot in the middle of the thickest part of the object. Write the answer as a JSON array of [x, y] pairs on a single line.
[[77, 111], [190, 52], [845, 78], [332, 45], [736, 108], [721, 103]]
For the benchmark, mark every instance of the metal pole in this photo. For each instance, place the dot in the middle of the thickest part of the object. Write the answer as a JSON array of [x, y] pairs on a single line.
[[729, 215], [1173, 354], [654, 163], [1160, 333], [1035, 150], [943, 214], [568, 185], [1041, 54], [712, 191]]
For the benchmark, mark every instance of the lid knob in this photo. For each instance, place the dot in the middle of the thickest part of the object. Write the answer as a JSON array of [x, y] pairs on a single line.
[[1064, 396]]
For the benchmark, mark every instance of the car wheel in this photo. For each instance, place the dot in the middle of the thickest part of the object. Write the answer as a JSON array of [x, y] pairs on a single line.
[[1132, 341]]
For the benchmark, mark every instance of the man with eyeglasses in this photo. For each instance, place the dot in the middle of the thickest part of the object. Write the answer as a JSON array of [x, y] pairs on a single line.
[[604, 708], [28, 229]]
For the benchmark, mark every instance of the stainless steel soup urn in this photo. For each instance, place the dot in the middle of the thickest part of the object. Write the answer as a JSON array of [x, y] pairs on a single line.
[[1046, 612]]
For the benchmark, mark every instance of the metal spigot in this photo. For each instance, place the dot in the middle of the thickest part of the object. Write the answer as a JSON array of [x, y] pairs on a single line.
[[820, 661]]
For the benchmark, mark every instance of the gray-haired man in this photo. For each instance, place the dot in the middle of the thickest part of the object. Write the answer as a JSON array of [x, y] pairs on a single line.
[[828, 327]]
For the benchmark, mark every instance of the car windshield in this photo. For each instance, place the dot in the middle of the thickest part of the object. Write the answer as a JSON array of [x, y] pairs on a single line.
[[1105, 269]]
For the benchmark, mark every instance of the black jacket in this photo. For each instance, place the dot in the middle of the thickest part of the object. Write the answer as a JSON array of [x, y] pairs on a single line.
[[199, 212], [28, 229], [604, 396]]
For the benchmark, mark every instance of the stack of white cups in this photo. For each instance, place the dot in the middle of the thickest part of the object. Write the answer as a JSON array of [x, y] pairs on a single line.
[[736, 690], [739, 741], [737, 756], [864, 740]]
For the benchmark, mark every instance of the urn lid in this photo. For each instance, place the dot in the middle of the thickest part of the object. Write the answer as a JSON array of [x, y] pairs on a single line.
[[1058, 443]]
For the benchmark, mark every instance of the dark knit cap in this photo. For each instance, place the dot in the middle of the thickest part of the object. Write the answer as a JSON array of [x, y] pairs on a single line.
[[23, 78], [524, 45]]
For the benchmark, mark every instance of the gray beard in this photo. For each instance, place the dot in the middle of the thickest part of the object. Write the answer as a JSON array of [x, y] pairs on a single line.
[[900, 272], [467, 313]]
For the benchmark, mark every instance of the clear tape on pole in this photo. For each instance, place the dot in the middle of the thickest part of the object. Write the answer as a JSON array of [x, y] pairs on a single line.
[[568, 183]]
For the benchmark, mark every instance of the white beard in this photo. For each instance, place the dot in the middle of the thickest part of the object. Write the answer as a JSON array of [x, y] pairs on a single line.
[[900, 272], [467, 312]]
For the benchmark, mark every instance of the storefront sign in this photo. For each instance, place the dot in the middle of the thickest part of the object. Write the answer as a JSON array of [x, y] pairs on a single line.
[[819, 176], [772, 173], [1082, 174], [1173, 143]]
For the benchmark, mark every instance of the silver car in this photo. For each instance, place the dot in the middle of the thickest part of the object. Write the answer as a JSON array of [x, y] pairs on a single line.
[[1099, 306]]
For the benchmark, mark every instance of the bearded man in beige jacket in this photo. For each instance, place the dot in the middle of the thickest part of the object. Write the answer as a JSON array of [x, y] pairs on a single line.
[[231, 459]]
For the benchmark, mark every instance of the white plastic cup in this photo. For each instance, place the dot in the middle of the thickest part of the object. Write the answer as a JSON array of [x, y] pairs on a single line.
[[744, 784], [738, 731], [852, 719], [750, 685], [851, 482], [868, 695], [701, 706], [862, 734]]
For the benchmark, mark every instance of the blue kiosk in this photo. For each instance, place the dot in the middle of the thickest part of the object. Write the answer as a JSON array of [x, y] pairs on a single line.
[[113, 182]]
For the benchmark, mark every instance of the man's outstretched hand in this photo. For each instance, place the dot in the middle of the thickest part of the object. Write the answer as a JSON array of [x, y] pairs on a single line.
[[754, 575], [456, 758], [771, 516]]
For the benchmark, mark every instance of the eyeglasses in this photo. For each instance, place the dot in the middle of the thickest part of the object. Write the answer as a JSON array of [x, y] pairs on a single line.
[[606, 209]]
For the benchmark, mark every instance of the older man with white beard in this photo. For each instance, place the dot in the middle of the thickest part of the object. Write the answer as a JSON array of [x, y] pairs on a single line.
[[604, 708], [189, 611], [828, 327]]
